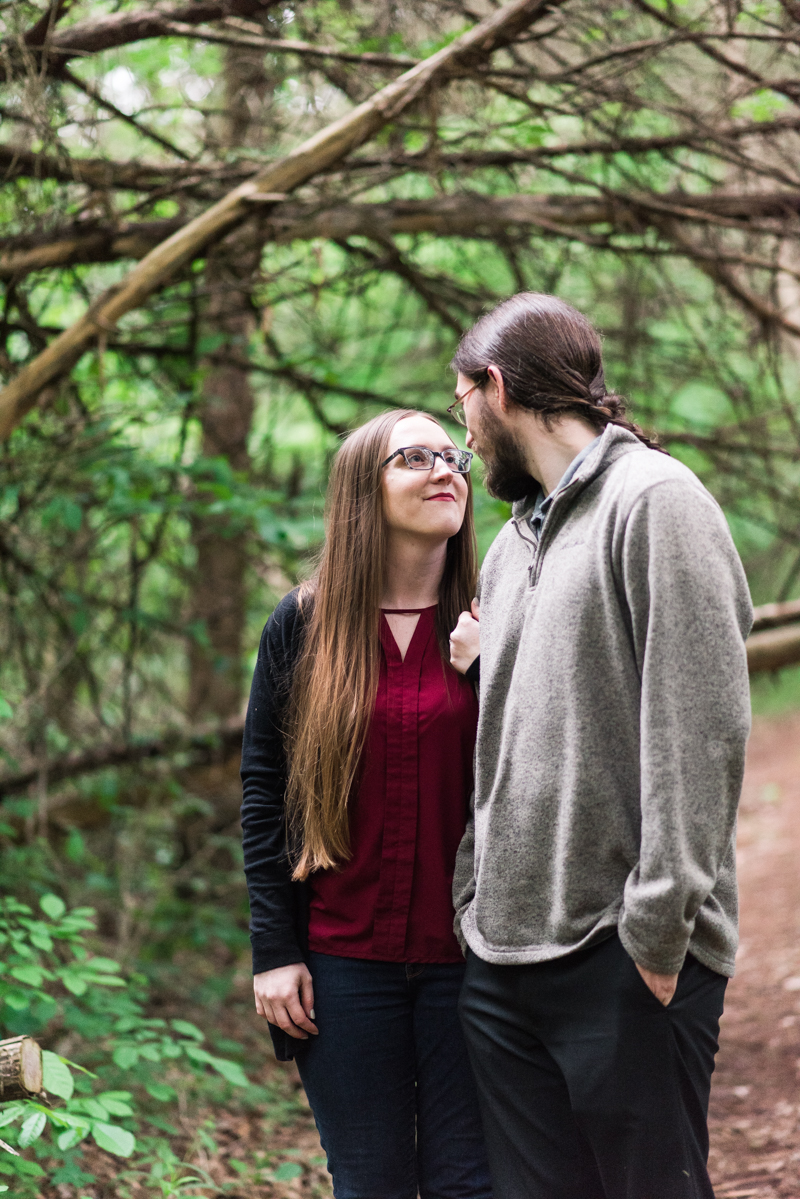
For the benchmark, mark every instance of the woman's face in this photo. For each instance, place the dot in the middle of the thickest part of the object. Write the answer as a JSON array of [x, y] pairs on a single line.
[[428, 503]]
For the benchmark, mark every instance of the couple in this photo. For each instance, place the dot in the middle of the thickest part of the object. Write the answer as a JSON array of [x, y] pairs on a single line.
[[570, 1057]]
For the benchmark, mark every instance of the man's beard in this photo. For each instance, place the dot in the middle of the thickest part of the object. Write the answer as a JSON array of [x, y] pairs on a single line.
[[507, 476]]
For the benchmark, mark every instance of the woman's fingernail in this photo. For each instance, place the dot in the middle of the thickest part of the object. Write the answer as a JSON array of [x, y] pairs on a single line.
[[312, 1015]]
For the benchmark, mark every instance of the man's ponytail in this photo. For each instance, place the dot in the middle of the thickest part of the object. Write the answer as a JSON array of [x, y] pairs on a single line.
[[551, 361]]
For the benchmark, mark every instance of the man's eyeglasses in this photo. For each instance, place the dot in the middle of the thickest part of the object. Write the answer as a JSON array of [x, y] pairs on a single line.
[[456, 409], [419, 457]]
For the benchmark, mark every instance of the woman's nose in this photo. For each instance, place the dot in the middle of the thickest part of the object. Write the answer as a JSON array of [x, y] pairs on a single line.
[[440, 469]]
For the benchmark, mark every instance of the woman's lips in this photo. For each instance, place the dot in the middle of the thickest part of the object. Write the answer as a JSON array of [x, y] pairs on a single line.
[[443, 495]]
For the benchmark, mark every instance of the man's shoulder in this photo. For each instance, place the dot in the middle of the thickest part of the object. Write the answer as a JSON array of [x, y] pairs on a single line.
[[660, 476]]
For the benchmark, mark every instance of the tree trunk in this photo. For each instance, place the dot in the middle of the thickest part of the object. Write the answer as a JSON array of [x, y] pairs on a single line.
[[219, 600]]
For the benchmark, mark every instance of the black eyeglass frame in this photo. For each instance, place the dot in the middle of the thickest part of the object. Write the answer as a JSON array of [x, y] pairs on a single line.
[[435, 454]]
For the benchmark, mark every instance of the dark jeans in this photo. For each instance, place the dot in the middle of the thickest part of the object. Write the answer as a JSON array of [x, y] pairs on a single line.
[[389, 1081], [590, 1088]]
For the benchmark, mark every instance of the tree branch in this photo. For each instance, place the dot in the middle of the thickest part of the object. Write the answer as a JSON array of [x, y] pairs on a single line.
[[118, 29], [469, 214], [100, 100], [290, 46], [204, 747], [100, 173], [321, 151]]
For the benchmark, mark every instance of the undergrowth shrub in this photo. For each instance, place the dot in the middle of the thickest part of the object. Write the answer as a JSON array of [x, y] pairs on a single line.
[[53, 987]]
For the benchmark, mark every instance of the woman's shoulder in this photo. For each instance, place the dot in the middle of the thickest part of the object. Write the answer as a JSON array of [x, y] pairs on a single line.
[[285, 627]]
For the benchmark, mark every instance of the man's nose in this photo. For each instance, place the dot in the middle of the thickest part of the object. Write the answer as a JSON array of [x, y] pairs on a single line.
[[470, 440]]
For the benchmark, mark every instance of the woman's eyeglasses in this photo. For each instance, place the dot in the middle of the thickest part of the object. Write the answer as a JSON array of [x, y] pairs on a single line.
[[456, 409], [419, 457]]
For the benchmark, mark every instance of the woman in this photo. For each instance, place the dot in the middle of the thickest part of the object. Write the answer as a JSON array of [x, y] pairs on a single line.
[[359, 740]]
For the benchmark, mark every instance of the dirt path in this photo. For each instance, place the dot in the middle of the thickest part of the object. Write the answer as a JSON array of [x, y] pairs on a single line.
[[755, 1103]]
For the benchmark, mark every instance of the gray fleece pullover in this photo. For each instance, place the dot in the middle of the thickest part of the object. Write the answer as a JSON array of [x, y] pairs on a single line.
[[614, 712]]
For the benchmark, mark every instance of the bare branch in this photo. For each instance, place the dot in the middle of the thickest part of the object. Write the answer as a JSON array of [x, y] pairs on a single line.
[[290, 46], [100, 100], [120, 29], [464, 215], [787, 87], [204, 747], [328, 146]]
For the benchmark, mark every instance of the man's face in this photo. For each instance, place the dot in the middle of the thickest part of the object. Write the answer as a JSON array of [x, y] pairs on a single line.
[[507, 476]]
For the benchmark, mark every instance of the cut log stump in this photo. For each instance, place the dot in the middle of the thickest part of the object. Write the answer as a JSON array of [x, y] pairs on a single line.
[[20, 1068]]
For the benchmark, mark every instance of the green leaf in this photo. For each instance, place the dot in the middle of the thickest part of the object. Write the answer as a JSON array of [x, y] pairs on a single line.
[[125, 1056], [231, 1071], [6, 712], [114, 1103], [161, 1091], [32, 975], [91, 1106], [70, 1137], [187, 1030], [114, 1139], [74, 984], [11, 1113], [52, 906], [16, 1000], [32, 1129], [287, 1171], [41, 939], [56, 1075], [104, 965], [196, 1054]]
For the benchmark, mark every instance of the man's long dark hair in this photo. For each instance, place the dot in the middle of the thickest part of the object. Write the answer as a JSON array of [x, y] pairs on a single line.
[[551, 360]]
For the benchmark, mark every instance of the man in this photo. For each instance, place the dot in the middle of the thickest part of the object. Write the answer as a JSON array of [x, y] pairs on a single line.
[[596, 894]]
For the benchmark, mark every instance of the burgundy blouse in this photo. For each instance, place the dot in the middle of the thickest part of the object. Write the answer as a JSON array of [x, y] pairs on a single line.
[[392, 901]]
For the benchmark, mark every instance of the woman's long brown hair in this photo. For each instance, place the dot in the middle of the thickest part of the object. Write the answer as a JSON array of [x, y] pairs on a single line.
[[336, 678]]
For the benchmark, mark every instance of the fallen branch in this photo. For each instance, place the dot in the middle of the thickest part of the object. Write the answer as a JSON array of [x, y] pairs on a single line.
[[319, 152], [203, 747], [773, 649], [770, 616]]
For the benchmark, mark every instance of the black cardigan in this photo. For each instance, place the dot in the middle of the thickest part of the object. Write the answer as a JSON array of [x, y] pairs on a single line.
[[278, 906]]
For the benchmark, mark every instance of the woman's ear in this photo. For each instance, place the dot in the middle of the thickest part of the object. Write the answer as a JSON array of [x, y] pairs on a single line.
[[495, 391]]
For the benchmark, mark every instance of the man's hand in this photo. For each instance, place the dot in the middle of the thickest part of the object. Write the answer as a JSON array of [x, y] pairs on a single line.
[[662, 985], [465, 639], [286, 997]]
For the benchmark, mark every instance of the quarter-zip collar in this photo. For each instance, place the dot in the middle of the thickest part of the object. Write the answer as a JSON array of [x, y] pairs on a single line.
[[607, 449]]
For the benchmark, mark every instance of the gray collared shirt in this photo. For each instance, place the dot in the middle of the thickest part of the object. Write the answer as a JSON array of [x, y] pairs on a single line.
[[544, 502]]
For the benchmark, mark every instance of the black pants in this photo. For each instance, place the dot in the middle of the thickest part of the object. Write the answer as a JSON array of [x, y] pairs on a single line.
[[590, 1088]]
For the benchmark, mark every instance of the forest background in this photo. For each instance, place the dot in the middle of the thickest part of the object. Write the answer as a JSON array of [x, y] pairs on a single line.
[[164, 462]]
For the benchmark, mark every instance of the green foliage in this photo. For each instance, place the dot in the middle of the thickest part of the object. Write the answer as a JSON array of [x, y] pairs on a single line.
[[50, 980]]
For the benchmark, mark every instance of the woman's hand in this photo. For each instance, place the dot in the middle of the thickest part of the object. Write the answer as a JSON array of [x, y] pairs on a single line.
[[286, 997], [465, 639]]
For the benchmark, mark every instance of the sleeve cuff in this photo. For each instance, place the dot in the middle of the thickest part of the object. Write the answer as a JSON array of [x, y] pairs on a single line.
[[271, 955], [473, 671], [659, 961]]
